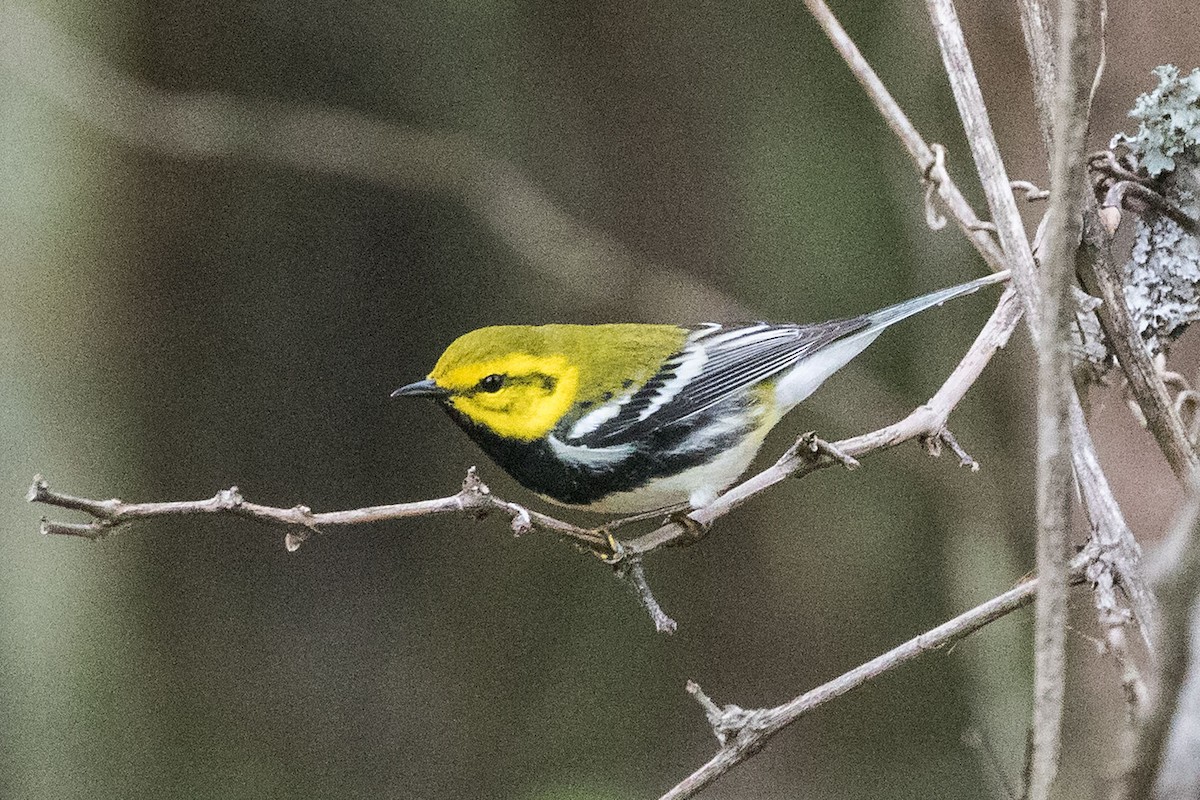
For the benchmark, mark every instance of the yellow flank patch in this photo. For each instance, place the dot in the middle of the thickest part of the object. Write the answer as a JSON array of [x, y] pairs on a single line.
[[536, 393]]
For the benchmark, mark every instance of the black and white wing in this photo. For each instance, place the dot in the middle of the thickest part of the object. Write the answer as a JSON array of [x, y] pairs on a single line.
[[716, 363]]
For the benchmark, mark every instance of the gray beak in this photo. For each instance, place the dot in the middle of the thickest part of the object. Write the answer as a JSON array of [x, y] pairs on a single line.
[[425, 388]]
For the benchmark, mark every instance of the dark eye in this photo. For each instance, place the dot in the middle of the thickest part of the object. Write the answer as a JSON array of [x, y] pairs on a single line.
[[491, 383]]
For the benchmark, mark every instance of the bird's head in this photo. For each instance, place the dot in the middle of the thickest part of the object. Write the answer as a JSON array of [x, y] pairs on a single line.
[[508, 378]]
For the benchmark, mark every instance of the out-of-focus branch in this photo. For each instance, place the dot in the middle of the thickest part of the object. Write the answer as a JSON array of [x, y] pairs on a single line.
[[350, 145], [742, 732], [1178, 772], [354, 146], [1178, 588], [335, 142]]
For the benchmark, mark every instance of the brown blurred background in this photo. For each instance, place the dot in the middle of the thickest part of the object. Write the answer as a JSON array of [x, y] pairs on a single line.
[[174, 324]]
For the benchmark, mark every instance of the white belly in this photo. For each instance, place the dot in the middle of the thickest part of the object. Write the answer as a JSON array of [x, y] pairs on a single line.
[[694, 488]]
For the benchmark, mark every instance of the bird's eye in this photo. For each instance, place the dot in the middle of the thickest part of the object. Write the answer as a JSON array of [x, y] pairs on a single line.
[[491, 383]]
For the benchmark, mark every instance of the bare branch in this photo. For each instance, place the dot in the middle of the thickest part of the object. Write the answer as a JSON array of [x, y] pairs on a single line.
[[1038, 27], [1068, 188], [1102, 278], [634, 571], [1120, 550], [742, 732], [475, 499], [929, 158], [1017, 253], [808, 455], [1050, 319], [1032, 192], [208, 125]]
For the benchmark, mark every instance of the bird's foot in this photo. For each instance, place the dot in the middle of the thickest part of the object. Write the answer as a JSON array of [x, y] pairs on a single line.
[[693, 529]]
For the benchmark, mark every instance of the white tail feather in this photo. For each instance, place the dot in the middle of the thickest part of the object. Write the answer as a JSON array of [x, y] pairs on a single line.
[[806, 376]]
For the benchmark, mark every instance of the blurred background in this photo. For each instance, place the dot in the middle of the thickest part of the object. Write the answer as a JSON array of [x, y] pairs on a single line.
[[231, 229]]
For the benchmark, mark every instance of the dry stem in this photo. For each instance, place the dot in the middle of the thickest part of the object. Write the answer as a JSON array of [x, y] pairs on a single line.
[[742, 733]]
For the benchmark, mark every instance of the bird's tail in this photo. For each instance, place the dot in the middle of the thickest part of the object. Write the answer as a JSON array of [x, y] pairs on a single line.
[[892, 314], [811, 371]]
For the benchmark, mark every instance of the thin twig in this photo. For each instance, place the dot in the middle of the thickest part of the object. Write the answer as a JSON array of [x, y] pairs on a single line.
[[1018, 255], [475, 499], [1031, 191], [808, 455], [744, 732], [1038, 27], [928, 420], [633, 571], [927, 160]]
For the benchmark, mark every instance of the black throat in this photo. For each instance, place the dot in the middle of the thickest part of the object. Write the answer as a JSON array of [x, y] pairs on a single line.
[[538, 468]]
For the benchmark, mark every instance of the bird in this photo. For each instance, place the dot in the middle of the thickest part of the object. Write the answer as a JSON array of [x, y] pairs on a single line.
[[630, 418]]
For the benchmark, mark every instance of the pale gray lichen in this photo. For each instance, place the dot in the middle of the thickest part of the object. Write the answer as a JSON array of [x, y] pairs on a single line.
[[1169, 122], [1162, 276]]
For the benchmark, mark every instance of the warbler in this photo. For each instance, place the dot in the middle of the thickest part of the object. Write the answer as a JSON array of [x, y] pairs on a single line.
[[630, 418]]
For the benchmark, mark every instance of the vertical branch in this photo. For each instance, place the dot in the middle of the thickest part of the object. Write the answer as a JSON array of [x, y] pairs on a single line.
[[1046, 300], [985, 151], [906, 132], [1038, 28], [1055, 393]]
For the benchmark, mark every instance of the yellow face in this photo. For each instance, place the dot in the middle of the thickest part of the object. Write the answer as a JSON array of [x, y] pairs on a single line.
[[517, 395], [520, 380]]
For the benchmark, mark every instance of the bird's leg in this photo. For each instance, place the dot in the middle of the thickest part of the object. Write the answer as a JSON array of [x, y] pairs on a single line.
[[657, 512], [693, 530], [615, 552]]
